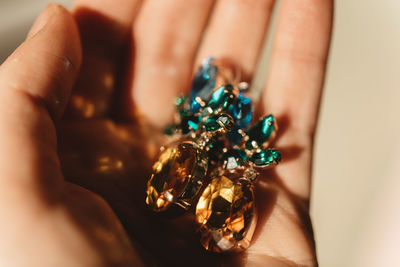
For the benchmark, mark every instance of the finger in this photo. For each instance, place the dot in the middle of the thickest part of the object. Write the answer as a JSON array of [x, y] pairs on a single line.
[[166, 35], [104, 27], [295, 81], [236, 33], [35, 83]]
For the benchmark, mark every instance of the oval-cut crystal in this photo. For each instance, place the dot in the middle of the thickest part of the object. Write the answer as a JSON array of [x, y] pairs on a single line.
[[177, 176], [226, 214]]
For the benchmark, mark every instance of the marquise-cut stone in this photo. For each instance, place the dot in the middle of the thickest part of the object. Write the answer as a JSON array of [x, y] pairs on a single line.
[[203, 84], [241, 110], [221, 98], [226, 214], [266, 157], [177, 176], [260, 132]]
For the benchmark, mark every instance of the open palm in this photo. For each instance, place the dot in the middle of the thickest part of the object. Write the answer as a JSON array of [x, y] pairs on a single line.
[[78, 134]]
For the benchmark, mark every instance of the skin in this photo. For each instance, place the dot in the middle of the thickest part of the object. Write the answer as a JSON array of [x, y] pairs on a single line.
[[82, 102]]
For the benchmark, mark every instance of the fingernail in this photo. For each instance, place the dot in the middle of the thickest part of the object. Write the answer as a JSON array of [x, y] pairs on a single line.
[[42, 20]]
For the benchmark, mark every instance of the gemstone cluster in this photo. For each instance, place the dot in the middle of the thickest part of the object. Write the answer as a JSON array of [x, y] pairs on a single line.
[[212, 164]]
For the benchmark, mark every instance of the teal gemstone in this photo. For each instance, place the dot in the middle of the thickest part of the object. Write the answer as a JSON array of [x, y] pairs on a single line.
[[190, 123], [221, 98], [234, 158], [260, 132], [216, 122], [266, 157]]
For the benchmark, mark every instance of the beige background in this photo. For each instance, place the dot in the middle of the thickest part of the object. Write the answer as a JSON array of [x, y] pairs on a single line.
[[356, 190]]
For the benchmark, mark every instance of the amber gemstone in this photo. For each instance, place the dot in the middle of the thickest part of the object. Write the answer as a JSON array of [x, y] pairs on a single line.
[[177, 176], [226, 214]]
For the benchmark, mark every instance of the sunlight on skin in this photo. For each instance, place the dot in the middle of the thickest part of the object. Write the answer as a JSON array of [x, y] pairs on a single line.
[[107, 138]]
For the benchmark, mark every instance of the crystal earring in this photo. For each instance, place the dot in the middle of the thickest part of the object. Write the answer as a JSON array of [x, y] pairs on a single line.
[[226, 209], [201, 121], [214, 148]]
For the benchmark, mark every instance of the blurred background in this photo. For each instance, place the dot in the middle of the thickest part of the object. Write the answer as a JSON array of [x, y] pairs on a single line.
[[356, 188]]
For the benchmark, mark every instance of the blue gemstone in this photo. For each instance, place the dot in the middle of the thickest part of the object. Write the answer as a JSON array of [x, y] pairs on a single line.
[[194, 106], [203, 84], [234, 137], [242, 111]]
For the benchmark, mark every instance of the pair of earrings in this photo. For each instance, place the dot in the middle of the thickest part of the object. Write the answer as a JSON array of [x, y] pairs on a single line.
[[212, 163]]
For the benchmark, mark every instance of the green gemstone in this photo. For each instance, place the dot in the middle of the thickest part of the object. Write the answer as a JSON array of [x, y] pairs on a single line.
[[211, 124], [266, 157], [234, 158], [217, 122], [260, 132], [180, 101], [181, 106], [221, 98], [170, 129]]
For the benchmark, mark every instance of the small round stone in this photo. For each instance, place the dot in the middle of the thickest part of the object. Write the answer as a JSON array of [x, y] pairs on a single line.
[[250, 174], [234, 158]]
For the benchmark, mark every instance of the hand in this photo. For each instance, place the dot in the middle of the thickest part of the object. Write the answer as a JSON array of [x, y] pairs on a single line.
[[69, 122]]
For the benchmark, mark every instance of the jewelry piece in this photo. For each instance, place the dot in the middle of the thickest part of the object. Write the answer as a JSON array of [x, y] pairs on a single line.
[[179, 172], [226, 208], [215, 155]]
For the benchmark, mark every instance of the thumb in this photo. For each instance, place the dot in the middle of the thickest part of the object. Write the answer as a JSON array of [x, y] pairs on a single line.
[[35, 84]]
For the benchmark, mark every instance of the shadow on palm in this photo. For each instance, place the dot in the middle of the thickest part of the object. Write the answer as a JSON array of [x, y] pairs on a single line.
[[114, 159]]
